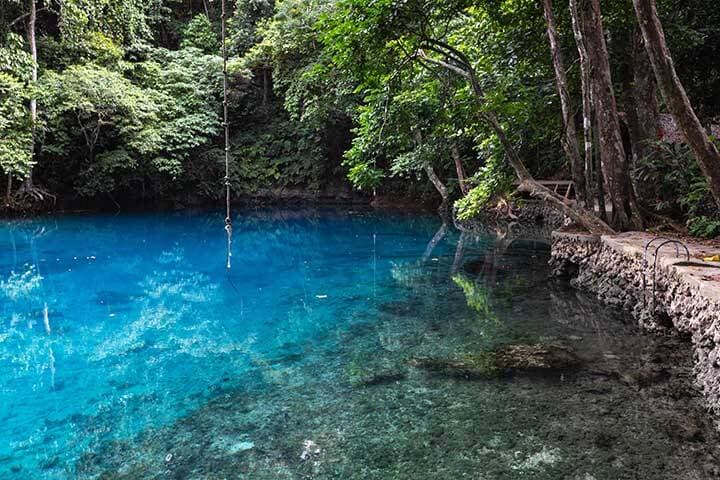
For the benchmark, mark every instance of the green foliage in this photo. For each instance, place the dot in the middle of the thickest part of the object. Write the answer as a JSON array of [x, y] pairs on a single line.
[[186, 87], [118, 113], [106, 172], [15, 127], [365, 176], [281, 156], [122, 21], [15, 123], [103, 50], [414, 110], [314, 91], [14, 60], [244, 23], [97, 108], [117, 110], [675, 177], [315, 96], [493, 179], [704, 227], [123, 128], [691, 28], [403, 127], [97, 31], [200, 34], [267, 156]]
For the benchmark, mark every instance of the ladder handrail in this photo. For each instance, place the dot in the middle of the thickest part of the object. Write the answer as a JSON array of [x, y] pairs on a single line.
[[666, 241]]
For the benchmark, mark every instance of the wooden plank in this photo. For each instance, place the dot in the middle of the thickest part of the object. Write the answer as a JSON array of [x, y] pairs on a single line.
[[566, 188]]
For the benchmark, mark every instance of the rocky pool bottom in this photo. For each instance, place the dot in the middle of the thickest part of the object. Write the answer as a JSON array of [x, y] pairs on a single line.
[[664, 284], [480, 367]]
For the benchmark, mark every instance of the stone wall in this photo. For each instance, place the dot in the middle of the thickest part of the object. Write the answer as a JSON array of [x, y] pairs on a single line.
[[686, 300]]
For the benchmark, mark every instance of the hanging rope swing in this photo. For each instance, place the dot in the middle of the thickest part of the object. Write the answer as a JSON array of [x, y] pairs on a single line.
[[226, 127]]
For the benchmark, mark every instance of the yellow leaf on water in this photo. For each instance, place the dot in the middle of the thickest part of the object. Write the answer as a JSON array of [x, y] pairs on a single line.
[[714, 258]]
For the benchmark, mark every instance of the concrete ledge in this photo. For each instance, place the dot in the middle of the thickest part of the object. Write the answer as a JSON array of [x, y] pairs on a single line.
[[633, 244]]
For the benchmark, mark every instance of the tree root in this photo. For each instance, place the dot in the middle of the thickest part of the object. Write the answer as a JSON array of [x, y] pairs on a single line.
[[33, 196], [579, 215]]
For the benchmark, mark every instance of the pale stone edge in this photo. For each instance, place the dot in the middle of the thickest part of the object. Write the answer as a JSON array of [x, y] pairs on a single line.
[[633, 245]]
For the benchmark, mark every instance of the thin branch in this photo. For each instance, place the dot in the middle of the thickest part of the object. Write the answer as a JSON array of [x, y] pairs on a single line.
[[449, 66], [25, 15], [448, 55], [455, 52]]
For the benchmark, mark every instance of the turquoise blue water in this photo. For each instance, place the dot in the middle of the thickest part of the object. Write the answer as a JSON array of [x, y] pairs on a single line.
[[128, 351]]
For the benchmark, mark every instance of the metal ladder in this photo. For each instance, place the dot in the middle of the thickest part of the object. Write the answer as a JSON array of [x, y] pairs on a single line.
[[663, 241]]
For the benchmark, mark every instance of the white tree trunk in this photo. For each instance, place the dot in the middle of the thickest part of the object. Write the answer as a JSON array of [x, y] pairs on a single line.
[[587, 98], [570, 144], [32, 19]]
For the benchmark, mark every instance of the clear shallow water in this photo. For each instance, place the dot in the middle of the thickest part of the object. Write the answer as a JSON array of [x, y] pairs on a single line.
[[126, 352]]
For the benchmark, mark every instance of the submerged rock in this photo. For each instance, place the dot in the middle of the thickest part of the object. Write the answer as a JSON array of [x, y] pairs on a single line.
[[467, 367], [363, 375], [400, 308], [532, 357], [240, 447], [645, 376], [382, 378], [505, 360]]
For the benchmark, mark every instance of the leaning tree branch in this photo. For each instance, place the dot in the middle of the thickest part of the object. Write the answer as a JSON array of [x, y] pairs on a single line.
[[449, 48], [449, 66], [527, 182]]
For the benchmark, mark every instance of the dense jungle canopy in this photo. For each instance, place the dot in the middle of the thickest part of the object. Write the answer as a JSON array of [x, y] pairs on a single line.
[[119, 102]]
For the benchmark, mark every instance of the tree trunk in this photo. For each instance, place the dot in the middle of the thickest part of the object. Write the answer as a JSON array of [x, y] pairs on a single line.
[[644, 114], [27, 185], [265, 87], [437, 183], [676, 98], [599, 190], [455, 152], [642, 117], [615, 169], [432, 176], [585, 85], [570, 143], [32, 20], [8, 192]]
